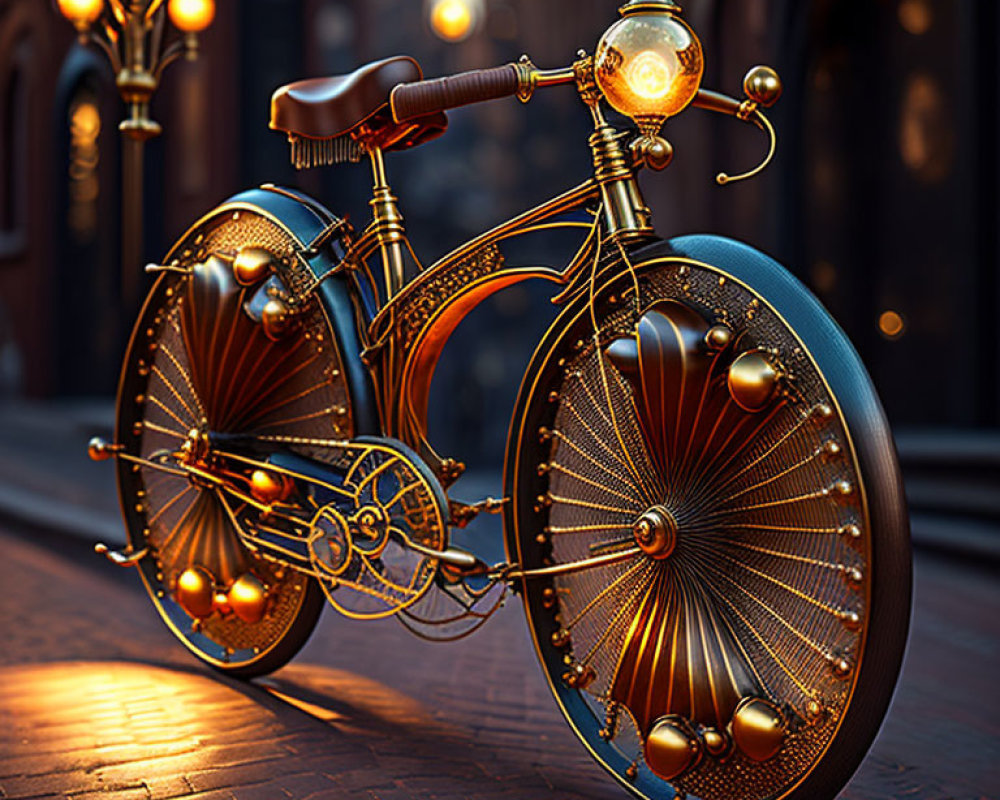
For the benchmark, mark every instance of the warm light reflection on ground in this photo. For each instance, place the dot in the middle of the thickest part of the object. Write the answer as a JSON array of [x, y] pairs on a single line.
[[119, 728], [113, 725]]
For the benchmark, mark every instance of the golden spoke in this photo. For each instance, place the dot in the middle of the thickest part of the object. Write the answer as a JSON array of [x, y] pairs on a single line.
[[605, 592], [572, 501], [594, 484]]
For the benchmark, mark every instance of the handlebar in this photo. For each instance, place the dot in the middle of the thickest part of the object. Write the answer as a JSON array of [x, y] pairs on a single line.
[[409, 100]]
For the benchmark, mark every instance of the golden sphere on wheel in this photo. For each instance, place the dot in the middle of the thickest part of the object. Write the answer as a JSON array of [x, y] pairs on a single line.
[[758, 729], [196, 592], [247, 597], [252, 265], [671, 747], [752, 380], [276, 319]]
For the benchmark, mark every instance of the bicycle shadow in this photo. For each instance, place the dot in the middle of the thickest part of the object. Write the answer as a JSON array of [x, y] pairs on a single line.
[[416, 747]]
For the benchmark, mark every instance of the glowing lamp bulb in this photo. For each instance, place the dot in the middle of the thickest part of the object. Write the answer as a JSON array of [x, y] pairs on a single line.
[[191, 16], [648, 65], [452, 20], [81, 12], [649, 75]]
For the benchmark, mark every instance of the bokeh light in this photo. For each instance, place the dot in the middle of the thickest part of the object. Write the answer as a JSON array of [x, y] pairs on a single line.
[[191, 16], [454, 20], [891, 324], [81, 12]]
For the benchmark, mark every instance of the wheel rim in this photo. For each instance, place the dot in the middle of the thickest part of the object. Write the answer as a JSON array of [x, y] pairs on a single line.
[[723, 657], [199, 361]]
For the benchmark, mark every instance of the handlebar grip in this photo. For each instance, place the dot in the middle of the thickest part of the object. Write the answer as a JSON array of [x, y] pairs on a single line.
[[410, 100]]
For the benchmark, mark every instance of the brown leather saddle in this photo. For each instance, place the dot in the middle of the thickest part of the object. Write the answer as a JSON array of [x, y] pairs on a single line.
[[358, 103]]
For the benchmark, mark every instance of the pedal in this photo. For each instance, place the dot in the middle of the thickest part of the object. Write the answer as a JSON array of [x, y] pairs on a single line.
[[120, 559], [101, 450]]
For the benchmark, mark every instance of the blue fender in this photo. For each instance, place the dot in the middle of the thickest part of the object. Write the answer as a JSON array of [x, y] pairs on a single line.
[[305, 218]]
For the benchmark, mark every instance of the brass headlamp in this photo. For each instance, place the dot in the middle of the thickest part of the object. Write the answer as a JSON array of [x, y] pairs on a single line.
[[649, 64]]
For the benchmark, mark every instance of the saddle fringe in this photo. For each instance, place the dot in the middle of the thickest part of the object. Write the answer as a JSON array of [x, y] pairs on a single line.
[[307, 153]]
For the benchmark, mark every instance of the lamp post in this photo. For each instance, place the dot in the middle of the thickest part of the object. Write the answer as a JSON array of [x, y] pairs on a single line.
[[140, 45]]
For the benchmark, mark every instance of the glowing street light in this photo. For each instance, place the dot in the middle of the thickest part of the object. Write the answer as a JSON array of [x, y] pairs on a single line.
[[135, 37], [191, 16], [82, 13], [454, 20]]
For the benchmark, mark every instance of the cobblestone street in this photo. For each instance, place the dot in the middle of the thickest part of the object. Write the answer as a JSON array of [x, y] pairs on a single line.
[[97, 699]]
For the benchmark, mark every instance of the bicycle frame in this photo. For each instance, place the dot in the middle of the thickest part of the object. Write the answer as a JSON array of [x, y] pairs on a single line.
[[407, 336]]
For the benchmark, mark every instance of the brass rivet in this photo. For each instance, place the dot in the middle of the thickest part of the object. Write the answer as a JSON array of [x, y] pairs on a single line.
[[841, 667]]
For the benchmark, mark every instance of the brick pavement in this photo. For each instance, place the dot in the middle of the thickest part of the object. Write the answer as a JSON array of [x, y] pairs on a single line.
[[96, 699]]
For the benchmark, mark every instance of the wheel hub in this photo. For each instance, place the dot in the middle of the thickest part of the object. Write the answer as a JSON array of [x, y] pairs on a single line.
[[656, 532]]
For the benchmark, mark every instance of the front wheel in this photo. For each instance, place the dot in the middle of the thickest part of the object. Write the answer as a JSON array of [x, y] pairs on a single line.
[[705, 456]]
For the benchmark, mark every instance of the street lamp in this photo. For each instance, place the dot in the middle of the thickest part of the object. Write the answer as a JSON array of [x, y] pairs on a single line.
[[135, 37], [454, 20]]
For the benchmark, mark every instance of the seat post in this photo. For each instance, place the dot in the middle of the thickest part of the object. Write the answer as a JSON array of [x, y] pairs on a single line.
[[388, 224]]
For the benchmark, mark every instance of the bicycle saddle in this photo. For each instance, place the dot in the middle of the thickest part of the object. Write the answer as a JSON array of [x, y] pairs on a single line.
[[324, 108]]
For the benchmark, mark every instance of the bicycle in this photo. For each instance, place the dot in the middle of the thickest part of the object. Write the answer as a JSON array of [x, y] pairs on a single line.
[[702, 508]]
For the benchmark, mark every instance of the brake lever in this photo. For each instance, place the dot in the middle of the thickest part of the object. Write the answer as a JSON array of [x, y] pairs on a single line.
[[752, 114], [763, 88]]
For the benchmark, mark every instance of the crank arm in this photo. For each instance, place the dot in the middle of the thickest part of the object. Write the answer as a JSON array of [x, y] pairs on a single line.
[[466, 563]]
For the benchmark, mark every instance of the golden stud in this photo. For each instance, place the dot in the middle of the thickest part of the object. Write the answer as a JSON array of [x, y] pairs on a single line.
[[850, 531], [716, 742], [656, 152], [822, 411], [854, 577], [758, 728], [851, 620], [841, 667], [561, 638], [718, 337], [579, 676], [548, 597]]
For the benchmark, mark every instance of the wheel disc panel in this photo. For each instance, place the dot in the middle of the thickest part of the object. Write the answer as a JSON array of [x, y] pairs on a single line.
[[723, 656], [200, 360]]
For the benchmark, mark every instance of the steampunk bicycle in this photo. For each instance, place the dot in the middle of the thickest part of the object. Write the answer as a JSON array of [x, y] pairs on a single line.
[[702, 508]]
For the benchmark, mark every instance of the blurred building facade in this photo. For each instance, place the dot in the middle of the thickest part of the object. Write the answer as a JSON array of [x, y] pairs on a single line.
[[882, 198]]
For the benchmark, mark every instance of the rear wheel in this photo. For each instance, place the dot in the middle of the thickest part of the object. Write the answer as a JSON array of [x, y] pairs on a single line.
[[200, 362], [722, 446]]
